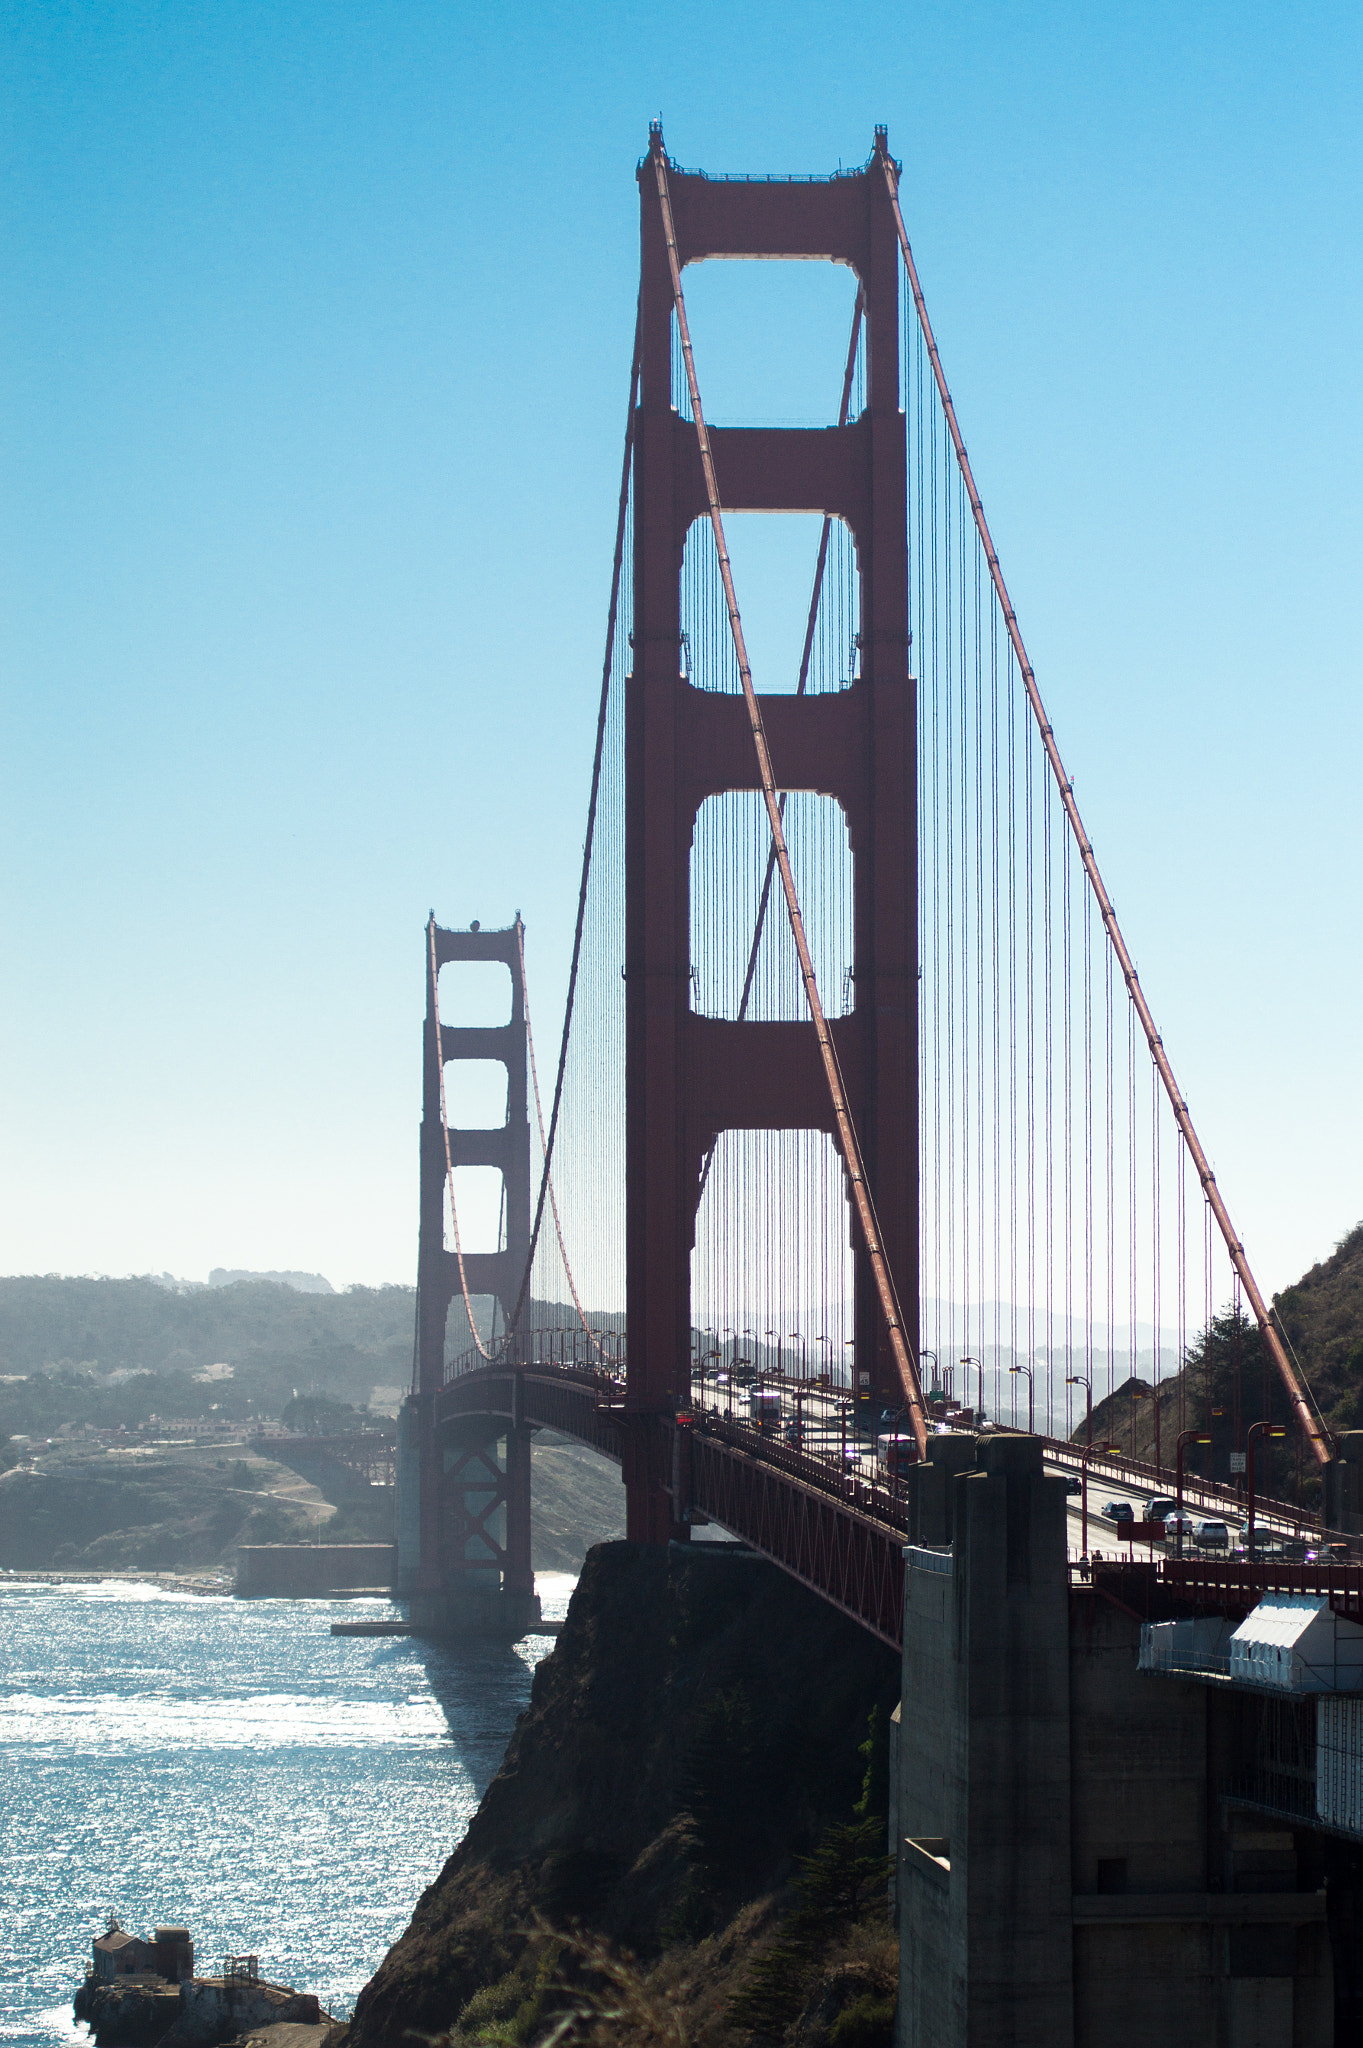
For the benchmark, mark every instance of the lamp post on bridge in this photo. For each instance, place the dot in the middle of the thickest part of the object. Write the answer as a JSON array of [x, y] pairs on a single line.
[[827, 1358], [1084, 1457], [1137, 1394], [1255, 1431], [1078, 1379], [1186, 1437], [1031, 1397], [936, 1369], [979, 1384]]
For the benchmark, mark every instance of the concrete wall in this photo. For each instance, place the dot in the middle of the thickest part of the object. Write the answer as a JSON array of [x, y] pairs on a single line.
[[984, 1868], [214, 2009], [313, 1571], [1076, 1867]]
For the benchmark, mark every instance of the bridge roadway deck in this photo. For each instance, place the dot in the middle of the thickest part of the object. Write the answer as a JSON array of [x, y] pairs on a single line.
[[821, 1508]]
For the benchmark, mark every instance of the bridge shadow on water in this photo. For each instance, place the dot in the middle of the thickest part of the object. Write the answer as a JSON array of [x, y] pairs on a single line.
[[479, 1684]]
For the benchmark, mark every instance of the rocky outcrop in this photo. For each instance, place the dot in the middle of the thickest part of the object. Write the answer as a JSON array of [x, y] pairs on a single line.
[[215, 2009], [130, 2015], [198, 2013], [697, 1727]]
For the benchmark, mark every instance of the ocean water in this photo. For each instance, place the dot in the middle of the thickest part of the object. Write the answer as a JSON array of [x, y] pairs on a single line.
[[234, 1768]]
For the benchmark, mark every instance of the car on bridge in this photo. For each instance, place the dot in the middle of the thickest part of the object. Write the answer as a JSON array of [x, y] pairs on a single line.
[[895, 1452], [1212, 1536], [764, 1407], [1159, 1507], [1119, 1511]]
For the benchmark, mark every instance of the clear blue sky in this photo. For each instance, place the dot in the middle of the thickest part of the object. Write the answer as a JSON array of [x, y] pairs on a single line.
[[315, 345]]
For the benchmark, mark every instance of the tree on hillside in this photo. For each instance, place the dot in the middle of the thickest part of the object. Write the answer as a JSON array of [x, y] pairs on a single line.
[[1230, 1382], [319, 1415]]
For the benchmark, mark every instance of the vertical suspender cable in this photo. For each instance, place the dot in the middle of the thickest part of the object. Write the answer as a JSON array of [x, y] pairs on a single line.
[[1297, 1390], [622, 515]]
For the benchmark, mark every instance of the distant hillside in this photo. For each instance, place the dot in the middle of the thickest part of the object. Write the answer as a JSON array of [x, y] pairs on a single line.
[[305, 1283], [276, 1340], [1323, 1318], [1228, 1364]]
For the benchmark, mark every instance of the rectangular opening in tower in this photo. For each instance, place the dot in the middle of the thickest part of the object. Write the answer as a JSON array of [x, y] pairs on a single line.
[[770, 338], [475, 993], [782, 573], [772, 1267], [743, 959], [479, 1197], [475, 1094]]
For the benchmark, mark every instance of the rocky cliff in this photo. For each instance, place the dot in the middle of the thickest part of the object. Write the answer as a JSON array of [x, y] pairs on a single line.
[[701, 1726]]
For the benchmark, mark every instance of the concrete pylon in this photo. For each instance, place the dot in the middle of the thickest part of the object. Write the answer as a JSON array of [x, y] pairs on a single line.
[[983, 1796]]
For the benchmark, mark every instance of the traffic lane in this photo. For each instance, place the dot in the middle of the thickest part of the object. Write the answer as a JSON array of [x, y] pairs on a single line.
[[828, 1423], [1104, 1486]]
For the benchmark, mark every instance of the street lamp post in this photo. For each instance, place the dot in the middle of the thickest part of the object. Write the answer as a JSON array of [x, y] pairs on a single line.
[[1186, 1437], [1137, 1394], [827, 1356], [1256, 1429], [1077, 1379], [1084, 1457], [979, 1385], [1031, 1397]]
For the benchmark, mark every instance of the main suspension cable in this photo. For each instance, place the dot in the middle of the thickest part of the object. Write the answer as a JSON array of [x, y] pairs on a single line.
[[1298, 1391], [848, 1142], [612, 618], [546, 1182]]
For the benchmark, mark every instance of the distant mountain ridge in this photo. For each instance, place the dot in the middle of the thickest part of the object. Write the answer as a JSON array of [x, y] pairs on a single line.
[[302, 1283]]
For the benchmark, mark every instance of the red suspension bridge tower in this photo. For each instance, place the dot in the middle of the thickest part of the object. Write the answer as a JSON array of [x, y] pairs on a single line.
[[472, 1539], [690, 1077], [981, 1059]]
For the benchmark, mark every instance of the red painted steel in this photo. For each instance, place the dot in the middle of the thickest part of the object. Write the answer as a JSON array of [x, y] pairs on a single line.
[[688, 1078], [444, 1276], [841, 1536], [1239, 1587], [903, 1349], [583, 1404]]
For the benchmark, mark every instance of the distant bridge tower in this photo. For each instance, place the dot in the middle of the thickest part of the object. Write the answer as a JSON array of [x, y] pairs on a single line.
[[690, 1077], [464, 1541]]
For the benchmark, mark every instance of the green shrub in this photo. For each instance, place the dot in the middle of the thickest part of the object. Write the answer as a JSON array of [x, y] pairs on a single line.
[[868, 2022]]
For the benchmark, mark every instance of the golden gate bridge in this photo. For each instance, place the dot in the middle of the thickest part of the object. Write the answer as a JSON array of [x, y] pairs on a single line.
[[859, 1106]]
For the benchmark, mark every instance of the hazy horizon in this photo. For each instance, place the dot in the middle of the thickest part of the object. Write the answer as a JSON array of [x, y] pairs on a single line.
[[318, 344]]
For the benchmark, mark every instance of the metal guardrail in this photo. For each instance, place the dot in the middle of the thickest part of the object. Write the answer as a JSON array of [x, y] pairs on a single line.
[[1244, 1584], [1207, 1493]]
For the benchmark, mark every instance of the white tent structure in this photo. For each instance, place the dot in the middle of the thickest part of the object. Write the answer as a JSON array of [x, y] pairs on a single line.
[[1295, 1643]]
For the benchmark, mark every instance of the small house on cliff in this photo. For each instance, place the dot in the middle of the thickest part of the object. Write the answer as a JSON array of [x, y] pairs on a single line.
[[120, 1954]]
